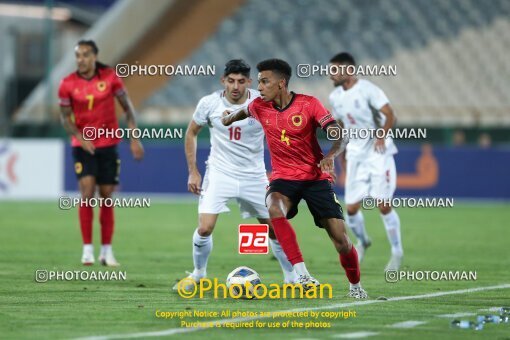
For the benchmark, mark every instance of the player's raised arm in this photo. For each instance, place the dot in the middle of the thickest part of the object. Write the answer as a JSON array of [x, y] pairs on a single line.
[[230, 117], [129, 110], [69, 125], [190, 148], [391, 119]]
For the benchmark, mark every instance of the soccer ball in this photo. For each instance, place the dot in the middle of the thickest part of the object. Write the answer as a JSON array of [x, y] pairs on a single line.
[[238, 278]]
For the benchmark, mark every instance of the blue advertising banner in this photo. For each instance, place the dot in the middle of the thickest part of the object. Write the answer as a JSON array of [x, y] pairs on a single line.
[[423, 171]]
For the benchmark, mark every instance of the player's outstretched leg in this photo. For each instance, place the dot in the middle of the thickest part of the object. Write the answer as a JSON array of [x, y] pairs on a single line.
[[356, 223], [278, 206], [202, 247], [289, 274], [86, 216], [107, 226], [392, 225], [347, 254]]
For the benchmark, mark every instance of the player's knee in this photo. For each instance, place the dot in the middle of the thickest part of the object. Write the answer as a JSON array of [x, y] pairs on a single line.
[[352, 209], [205, 229], [105, 194], [275, 211], [384, 209], [88, 193]]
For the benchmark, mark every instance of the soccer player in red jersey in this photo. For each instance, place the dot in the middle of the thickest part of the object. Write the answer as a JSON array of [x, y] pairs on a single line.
[[300, 170], [87, 103]]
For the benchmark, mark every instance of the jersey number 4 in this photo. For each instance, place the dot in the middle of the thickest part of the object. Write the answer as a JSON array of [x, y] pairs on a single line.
[[285, 139], [235, 133]]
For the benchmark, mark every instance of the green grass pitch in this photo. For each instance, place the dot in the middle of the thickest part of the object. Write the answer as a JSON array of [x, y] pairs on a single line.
[[154, 247]]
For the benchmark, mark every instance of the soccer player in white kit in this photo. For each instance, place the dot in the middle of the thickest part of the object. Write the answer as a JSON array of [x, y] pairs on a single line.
[[235, 167], [370, 166]]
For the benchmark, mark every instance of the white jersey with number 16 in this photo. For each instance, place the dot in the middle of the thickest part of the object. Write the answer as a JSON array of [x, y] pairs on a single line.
[[236, 150]]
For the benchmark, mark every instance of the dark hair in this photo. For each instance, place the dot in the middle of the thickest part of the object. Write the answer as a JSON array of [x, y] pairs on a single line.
[[343, 58], [278, 66], [95, 50], [237, 66]]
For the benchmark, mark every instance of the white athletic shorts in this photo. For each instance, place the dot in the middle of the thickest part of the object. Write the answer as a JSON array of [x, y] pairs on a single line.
[[375, 177], [218, 188]]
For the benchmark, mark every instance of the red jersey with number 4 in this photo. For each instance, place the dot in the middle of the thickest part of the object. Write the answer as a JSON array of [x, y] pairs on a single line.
[[93, 102], [290, 133]]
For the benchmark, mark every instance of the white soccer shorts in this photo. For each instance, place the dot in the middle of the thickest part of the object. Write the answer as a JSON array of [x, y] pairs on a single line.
[[375, 177], [218, 188]]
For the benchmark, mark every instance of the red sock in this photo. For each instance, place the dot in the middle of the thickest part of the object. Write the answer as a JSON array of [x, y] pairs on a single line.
[[107, 221], [86, 215], [351, 265], [287, 237]]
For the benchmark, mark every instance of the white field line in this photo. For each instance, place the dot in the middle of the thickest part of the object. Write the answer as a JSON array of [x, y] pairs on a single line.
[[456, 315], [407, 324], [355, 335], [492, 309], [173, 331]]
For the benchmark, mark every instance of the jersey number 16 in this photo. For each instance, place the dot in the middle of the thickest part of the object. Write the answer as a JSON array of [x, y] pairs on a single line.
[[235, 133]]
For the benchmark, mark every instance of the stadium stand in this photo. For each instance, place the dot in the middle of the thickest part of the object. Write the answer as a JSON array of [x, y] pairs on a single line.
[[437, 45]]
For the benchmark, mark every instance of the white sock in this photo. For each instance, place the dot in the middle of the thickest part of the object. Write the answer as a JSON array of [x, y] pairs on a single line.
[[357, 224], [289, 274], [202, 246], [88, 248], [105, 248], [392, 225], [301, 269], [355, 285]]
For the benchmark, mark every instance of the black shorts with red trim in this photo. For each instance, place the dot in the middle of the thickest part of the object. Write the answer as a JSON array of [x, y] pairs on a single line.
[[104, 164], [318, 195]]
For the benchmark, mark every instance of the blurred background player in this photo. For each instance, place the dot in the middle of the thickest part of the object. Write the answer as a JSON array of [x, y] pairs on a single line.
[[370, 167], [300, 170], [235, 167], [87, 101]]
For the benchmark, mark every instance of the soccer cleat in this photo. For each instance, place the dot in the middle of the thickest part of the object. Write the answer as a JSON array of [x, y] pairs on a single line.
[[361, 248], [186, 283], [108, 260], [357, 293], [87, 259], [394, 263], [307, 282]]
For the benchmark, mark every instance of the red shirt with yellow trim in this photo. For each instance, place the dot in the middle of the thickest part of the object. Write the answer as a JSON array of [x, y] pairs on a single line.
[[93, 102], [291, 136]]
